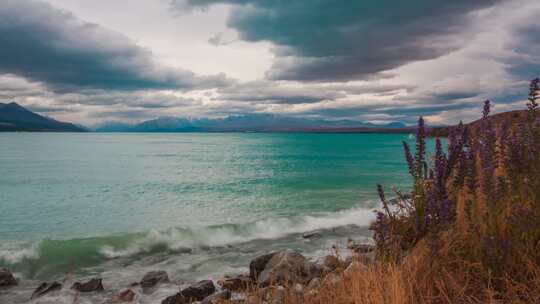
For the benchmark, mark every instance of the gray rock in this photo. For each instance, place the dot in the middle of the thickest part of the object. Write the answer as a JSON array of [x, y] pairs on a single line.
[[315, 283], [199, 291], [359, 248], [312, 234], [218, 296], [124, 296], [287, 267], [153, 278], [92, 285], [332, 279], [257, 265], [7, 278], [237, 283], [175, 299], [45, 288], [331, 262]]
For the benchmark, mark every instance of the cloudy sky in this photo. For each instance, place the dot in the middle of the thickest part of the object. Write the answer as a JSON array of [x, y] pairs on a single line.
[[378, 61]]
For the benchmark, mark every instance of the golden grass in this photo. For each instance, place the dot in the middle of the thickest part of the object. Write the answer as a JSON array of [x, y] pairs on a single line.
[[421, 277]]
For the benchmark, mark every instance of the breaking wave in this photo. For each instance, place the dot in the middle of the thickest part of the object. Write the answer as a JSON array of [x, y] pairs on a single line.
[[56, 256]]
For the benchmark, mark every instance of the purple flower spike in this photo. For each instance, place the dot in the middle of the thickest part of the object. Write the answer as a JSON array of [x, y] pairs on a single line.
[[409, 158]]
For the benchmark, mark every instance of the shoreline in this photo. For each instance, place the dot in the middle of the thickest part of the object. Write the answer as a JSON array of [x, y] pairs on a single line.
[[112, 286]]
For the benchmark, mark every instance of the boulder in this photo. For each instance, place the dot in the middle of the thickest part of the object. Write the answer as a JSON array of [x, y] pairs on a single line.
[[237, 283], [45, 288], [287, 267], [299, 289], [199, 291], [314, 284], [124, 296], [92, 285], [175, 299], [7, 278], [217, 297], [257, 265], [332, 279], [359, 248], [153, 278], [312, 234], [331, 262]]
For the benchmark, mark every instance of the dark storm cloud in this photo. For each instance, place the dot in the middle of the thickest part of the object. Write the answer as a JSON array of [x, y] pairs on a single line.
[[272, 92], [527, 46], [43, 109], [44, 44], [328, 40], [275, 92], [406, 113]]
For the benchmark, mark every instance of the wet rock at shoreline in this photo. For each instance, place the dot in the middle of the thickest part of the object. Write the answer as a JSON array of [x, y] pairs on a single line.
[[199, 291], [217, 297], [238, 283], [45, 288], [359, 248], [7, 278], [331, 262], [124, 296], [175, 299], [152, 278], [92, 285], [287, 266], [312, 234], [257, 265]]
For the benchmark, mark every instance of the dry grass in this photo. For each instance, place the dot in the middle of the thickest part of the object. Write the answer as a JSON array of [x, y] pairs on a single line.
[[422, 277]]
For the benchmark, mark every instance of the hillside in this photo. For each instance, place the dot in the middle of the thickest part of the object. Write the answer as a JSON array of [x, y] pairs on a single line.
[[511, 118], [14, 117]]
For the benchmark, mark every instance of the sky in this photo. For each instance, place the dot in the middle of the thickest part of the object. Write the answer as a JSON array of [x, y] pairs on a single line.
[[380, 61]]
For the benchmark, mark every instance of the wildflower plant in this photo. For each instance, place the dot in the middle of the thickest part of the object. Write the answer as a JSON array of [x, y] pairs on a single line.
[[483, 190]]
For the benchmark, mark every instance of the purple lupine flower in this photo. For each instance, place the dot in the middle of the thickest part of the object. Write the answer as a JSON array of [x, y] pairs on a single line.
[[409, 158], [380, 192], [446, 212], [455, 146], [440, 170], [503, 142], [487, 108], [381, 231], [487, 151], [534, 95], [420, 149], [470, 175], [461, 155]]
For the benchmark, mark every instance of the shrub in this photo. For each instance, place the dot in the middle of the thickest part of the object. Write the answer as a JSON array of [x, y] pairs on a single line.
[[477, 208]]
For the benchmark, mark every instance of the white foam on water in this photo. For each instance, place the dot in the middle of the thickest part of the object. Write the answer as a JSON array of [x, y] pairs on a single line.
[[177, 239], [16, 253]]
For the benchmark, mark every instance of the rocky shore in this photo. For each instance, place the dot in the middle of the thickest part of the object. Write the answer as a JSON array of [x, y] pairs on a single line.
[[270, 276]]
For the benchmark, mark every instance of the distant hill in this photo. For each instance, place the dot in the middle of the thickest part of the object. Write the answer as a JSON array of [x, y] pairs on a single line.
[[511, 118], [14, 117], [248, 123]]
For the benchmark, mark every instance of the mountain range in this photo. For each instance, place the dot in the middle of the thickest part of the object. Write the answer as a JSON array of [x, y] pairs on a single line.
[[245, 123], [14, 117]]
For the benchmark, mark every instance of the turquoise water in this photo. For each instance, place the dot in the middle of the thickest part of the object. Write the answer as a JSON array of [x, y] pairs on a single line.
[[80, 202]]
